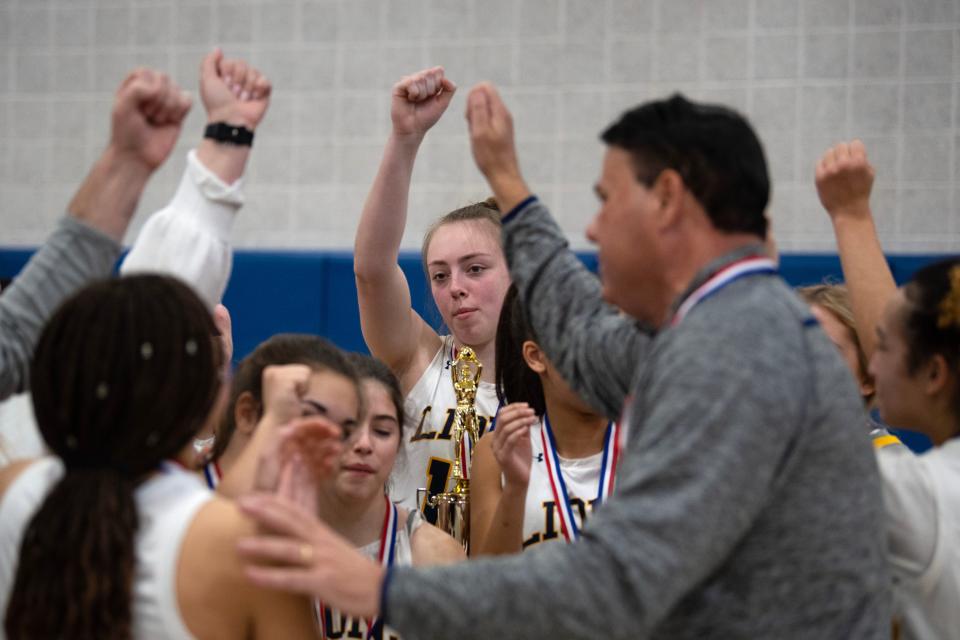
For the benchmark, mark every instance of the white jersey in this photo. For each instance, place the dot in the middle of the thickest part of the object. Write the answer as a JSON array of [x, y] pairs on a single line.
[[541, 522], [166, 505], [426, 459], [338, 626], [922, 498]]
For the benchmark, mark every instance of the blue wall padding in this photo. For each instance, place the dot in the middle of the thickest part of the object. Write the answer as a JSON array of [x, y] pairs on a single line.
[[314, 291]]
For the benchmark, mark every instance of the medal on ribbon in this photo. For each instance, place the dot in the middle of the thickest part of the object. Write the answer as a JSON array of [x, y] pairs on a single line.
[[386, 556], [605, 484]]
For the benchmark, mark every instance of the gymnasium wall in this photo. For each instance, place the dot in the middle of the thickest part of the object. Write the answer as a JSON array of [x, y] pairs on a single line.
[[808, 72]]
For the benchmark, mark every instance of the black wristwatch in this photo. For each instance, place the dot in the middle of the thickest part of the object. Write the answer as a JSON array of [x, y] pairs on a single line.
[[230, 133]]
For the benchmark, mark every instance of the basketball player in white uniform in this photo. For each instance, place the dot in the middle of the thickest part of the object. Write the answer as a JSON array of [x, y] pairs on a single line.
[[468, 277], [551, 459], [354, 503]]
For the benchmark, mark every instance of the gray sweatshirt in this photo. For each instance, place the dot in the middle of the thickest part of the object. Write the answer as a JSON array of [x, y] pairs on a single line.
[[747, 501], [72, 256]]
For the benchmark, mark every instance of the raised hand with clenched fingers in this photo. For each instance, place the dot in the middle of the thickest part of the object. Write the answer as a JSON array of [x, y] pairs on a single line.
[[419, 100], [233, 91], [844, 178], [148, 111]]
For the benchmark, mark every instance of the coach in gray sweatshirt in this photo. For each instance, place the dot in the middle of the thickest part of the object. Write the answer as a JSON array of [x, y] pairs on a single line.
[[747, 501]]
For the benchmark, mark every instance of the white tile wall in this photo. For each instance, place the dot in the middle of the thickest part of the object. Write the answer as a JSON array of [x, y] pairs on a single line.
[[808, 72]]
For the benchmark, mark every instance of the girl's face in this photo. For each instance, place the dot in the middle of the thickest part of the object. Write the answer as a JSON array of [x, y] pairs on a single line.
[[468, 278], [371, 450], [900, 394]]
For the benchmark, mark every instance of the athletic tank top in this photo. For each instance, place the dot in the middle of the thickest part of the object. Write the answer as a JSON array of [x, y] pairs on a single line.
[[338, 626], [928, 602], [426, 458], [167, 504], [582, 475]]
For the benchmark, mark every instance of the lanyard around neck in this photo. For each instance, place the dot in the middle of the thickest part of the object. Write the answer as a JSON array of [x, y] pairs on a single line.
[[605, 484]]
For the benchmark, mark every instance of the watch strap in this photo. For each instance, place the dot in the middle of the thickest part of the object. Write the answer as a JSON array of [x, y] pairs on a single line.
[[229, 133]]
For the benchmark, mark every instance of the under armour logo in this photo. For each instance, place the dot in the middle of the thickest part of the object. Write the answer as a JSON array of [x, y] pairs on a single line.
[[539, 457], [447, 366]]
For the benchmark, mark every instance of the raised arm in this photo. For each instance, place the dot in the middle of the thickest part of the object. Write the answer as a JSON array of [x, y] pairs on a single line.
[[595, 347], [391, 328], [190, 237], [147, 114], [844, 179]]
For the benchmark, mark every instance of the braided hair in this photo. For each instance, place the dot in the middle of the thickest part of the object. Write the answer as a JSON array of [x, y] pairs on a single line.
[[124, 376]]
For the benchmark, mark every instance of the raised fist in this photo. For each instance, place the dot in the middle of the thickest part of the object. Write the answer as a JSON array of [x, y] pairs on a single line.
[[491, 133], [148, 111], [844, 179], [232, 91], [283, 389], [419, 101]]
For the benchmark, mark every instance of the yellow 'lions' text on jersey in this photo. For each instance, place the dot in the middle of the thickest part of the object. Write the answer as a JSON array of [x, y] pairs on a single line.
[[582, 475], [427, 452], [337, 626]]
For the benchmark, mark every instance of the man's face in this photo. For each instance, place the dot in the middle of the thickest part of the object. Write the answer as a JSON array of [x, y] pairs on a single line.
[[625, 234]]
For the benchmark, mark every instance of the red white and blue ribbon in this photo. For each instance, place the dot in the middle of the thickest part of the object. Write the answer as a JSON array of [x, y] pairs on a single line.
[[211, 471], [386, 557], [748, 266], [605, 485]]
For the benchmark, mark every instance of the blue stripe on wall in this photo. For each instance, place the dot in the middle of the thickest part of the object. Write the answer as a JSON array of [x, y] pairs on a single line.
[[314, 291]]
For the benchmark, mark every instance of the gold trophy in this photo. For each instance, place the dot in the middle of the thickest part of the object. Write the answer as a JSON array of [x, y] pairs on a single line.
[[453, 506]]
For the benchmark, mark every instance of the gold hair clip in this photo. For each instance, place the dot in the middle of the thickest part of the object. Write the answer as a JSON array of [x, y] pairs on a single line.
[[950, 305]]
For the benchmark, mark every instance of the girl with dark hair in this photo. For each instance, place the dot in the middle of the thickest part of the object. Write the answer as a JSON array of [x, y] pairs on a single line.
[[551, 459], [911, 336], [465, 265], [916, 366], [112, 536], [355, 504], [328, 386]]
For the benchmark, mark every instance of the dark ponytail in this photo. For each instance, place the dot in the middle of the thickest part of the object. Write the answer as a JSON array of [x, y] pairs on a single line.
[[124, 376], [516, 382]]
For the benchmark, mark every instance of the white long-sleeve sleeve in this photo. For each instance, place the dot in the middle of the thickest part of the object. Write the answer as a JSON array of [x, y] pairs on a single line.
[[190, 237]]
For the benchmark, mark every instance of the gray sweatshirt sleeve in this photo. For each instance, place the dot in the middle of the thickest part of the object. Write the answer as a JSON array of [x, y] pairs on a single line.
[[595, 347], [72, 256], [699, 458]]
